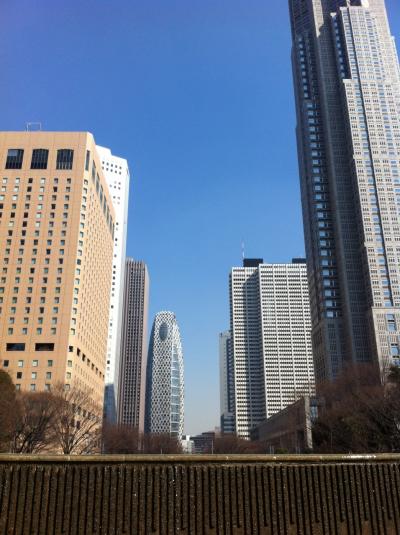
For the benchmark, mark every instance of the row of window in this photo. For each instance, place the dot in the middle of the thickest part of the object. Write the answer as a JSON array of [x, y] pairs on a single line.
[[15, 158], [35, 363], [32, 388], [34, 375], [20, 346]]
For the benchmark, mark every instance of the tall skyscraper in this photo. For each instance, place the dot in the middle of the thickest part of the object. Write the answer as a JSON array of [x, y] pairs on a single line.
[[56, 241], [133, 362], [227, 383], [165, 380], [347, 86], [270, 340], [116, 173]]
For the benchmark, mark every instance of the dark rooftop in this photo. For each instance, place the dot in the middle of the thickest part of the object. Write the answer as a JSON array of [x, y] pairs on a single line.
[[252, 262]]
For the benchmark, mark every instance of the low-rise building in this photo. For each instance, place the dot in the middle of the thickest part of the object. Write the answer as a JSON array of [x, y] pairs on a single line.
[[289, 430]]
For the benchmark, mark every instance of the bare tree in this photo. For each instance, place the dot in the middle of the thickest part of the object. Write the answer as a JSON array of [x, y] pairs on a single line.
[[8, 411], [232, 444], [360, 414], [77, 421], [125, 439], [121, 439], [161, 443], [25, 418], [32, 430]]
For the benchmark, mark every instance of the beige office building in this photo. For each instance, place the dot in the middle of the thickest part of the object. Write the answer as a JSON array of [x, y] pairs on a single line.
[[56, 243]]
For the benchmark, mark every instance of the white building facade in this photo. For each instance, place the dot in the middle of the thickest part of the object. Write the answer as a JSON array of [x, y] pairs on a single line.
[[116, 172], [271, 340], [165, 378]]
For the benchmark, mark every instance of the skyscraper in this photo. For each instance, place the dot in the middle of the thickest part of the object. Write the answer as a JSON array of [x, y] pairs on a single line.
[[165, 380], [270, 340], [133, 362], [347, 86], [116, 173], [227, 383], [56, 242]]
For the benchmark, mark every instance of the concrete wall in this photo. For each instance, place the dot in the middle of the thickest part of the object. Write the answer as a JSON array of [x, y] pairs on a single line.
[[218, 495]]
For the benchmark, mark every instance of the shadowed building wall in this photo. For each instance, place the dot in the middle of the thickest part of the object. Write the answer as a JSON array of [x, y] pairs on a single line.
[[289, 430], [133, 363], [226, 383]]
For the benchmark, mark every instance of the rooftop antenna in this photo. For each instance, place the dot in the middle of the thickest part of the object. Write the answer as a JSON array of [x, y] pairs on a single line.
[[33, 127], [242, 249]]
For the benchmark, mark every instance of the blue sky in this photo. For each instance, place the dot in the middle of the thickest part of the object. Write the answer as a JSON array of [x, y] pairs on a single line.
[[197, 95]]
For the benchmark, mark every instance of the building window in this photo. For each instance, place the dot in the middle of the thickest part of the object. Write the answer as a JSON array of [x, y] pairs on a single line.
[[391, 322], [39, 159], [50, 363], [394, 350], [87, 162], [6, 363], [15, 347], [14, 158], [65, 158], [44, 347]]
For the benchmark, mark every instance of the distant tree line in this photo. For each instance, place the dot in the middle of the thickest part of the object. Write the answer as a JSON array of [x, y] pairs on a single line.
[[66, 422], [126, 440], [357, 413]]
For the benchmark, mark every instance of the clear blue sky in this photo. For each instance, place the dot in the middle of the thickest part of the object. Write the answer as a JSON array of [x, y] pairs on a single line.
[[197, 95]]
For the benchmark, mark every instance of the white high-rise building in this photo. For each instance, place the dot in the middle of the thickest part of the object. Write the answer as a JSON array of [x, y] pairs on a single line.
[[165, 379], [116, 173], [270, 340]]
